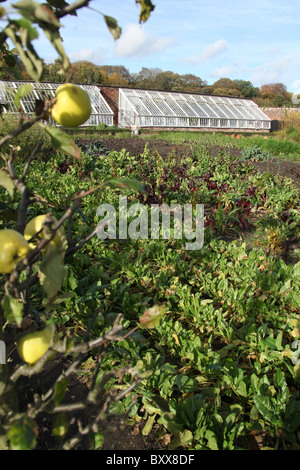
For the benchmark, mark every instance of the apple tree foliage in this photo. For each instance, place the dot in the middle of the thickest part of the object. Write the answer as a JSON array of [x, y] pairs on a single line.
[[23, 22]]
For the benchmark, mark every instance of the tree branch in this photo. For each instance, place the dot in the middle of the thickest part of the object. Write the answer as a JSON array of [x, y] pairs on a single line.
[[67, 10]]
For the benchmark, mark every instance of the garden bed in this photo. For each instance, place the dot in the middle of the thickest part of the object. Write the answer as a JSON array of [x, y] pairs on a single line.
[[232, 314], [136, 146]]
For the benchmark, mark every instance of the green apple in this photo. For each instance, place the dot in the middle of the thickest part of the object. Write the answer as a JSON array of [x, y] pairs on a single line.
[[72, 107], [35, 225], [13, 248], [32, 346]]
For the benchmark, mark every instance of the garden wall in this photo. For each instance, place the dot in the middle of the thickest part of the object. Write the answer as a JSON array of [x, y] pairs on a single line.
[[278, 114]]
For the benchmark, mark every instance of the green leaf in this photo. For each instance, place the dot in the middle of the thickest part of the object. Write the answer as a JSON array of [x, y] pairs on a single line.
[[242, 389], [51, 271], [60, 388], [43, 14], [62, 142], [60, 425], [113, 26], [212, 442], [97, 440], [13, 310], [149, 424], [146, 8], [270, 343], [52, 304], [125, 183], [22, 91], [181, 439], [37, 13], [264, 406], [22, 434], [24, 23], [6, 182], [26, 8], [32, 62], [56, 41], [206, 302]]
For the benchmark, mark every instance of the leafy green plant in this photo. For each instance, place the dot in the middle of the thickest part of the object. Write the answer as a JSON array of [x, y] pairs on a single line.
[[35, 140], [255, 153]]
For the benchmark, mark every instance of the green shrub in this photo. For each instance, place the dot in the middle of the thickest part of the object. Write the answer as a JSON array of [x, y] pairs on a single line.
[[27, 140]]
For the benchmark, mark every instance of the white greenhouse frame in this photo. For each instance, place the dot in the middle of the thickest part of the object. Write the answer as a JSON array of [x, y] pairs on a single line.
[[150, 108], [101, 112]]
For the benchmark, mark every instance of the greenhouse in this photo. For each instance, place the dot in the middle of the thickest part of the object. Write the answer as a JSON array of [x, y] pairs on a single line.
[[149, 108], [101, 112]]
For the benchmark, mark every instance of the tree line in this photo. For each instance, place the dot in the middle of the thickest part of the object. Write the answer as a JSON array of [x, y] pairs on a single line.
[[85, 72]]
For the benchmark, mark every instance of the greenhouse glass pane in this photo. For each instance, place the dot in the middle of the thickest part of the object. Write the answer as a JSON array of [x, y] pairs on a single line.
[[218, 111], [186, 108], [178, 111], [164, 108], [208, 110], [139, 106], [151, 106], [196, 107]]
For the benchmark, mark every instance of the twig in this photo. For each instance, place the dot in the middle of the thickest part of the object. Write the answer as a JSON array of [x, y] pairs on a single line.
[[93, 427], [26, 167], [67, 10], [22, 212], [78, 245]]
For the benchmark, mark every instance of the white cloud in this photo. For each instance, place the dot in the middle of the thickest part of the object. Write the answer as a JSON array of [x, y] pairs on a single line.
[[224, 71], [274, 70], [209, 52], [137, 42], [97, 56], [213, 49]]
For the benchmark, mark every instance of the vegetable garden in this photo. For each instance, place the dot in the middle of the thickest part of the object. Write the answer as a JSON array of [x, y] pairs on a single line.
[[219, 370]]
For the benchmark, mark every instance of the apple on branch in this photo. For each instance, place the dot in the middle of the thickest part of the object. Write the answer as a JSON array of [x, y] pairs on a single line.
[[72, 107], [36, 227], [13, 249], [32, 346]]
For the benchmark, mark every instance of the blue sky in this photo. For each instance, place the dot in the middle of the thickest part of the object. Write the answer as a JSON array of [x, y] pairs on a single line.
[[256, 40]]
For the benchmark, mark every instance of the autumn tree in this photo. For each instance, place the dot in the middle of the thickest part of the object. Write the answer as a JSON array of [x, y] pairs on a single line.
[[274, 94], [224, 87], [192, 84], [146, 78], [271, 90], [116, 75]]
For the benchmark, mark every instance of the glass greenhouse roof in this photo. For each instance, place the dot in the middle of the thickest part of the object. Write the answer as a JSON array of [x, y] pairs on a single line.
[[188, 110], [101, 112]]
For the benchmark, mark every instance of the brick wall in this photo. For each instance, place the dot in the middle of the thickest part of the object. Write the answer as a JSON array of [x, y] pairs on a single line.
[[111, 96], [279, 114]]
